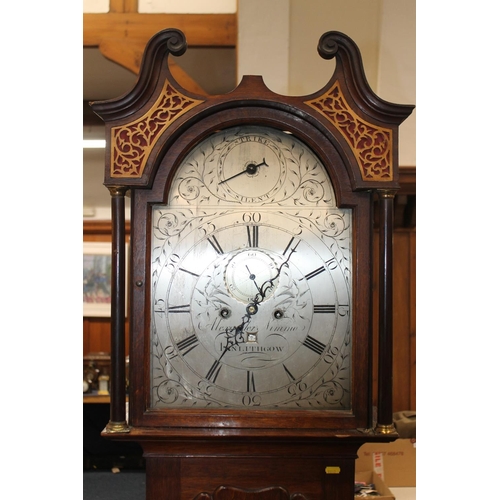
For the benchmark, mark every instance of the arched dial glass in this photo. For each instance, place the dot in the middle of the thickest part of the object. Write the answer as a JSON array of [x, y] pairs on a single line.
[[251, 279]]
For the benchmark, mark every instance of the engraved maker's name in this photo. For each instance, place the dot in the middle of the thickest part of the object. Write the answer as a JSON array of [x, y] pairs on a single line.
[[252, 348]]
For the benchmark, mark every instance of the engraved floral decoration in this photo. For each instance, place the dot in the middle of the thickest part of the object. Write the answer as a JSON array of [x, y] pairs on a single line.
[[371, 144], [132, 143], [334, 230], [169, 228], [333, 388], [305, 182], [172, 390]]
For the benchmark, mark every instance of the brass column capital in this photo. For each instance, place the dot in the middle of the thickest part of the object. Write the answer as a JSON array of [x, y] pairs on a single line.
[[386, 193], [117, 190]]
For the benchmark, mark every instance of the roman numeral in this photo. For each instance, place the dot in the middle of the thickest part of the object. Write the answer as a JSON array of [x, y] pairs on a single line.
[[290, 376], [253, 236], [185, 308], [215, 244], [314, 345], [314, 273], [324, 309], [250, 382], [188, 344], [213, 373], [189, 272], [290, 243]]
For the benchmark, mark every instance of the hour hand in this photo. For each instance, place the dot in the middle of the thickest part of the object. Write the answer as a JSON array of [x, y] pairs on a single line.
[[252, 277], [250, 169]]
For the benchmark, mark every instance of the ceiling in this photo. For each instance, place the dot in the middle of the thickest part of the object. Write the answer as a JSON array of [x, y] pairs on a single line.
[[214, 69]]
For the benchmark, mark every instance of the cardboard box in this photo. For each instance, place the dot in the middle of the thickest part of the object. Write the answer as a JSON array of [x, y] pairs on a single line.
[[371, 477], [395, 463]]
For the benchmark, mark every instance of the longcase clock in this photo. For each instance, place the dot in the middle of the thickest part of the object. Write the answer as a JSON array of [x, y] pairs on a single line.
[[251, 278]]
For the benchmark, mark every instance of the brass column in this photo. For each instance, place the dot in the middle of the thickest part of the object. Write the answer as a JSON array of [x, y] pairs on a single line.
[[385, 423], [118, 419]]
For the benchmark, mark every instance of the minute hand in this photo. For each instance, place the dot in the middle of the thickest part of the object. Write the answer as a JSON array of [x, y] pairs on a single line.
[[250, 169], [267, 285]]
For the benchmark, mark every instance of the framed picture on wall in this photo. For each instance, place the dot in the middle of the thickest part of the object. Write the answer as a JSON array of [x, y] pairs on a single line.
[[96, 279]]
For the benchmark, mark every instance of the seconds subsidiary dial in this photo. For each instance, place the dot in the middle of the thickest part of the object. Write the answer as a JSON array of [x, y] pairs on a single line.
[[251, 168], [251, 273]]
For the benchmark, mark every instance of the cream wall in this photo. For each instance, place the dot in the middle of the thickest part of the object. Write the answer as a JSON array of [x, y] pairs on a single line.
[[169, 6], [359, 19], [187, 6], [281, 45], [396, 80], [95, 6], [264, 42]]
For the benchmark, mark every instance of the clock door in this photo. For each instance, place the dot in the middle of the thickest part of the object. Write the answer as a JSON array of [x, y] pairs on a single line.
[[251, 256]]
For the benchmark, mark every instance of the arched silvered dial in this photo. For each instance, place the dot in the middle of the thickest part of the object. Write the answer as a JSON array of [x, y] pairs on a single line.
[[251, 304]]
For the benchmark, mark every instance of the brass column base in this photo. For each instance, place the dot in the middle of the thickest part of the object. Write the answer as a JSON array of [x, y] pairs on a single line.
[[117, 427], [385, 429]]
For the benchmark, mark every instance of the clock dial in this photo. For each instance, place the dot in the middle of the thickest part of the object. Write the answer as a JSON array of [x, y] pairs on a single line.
[[251, 275], [251, 305], [251, 166]]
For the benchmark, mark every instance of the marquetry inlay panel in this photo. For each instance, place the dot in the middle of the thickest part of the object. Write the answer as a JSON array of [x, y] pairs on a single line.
[[371, 144], [132, 143]]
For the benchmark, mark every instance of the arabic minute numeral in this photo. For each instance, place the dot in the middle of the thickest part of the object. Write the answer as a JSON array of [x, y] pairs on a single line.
[[249, 217], [343, 309], [249, 400]]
